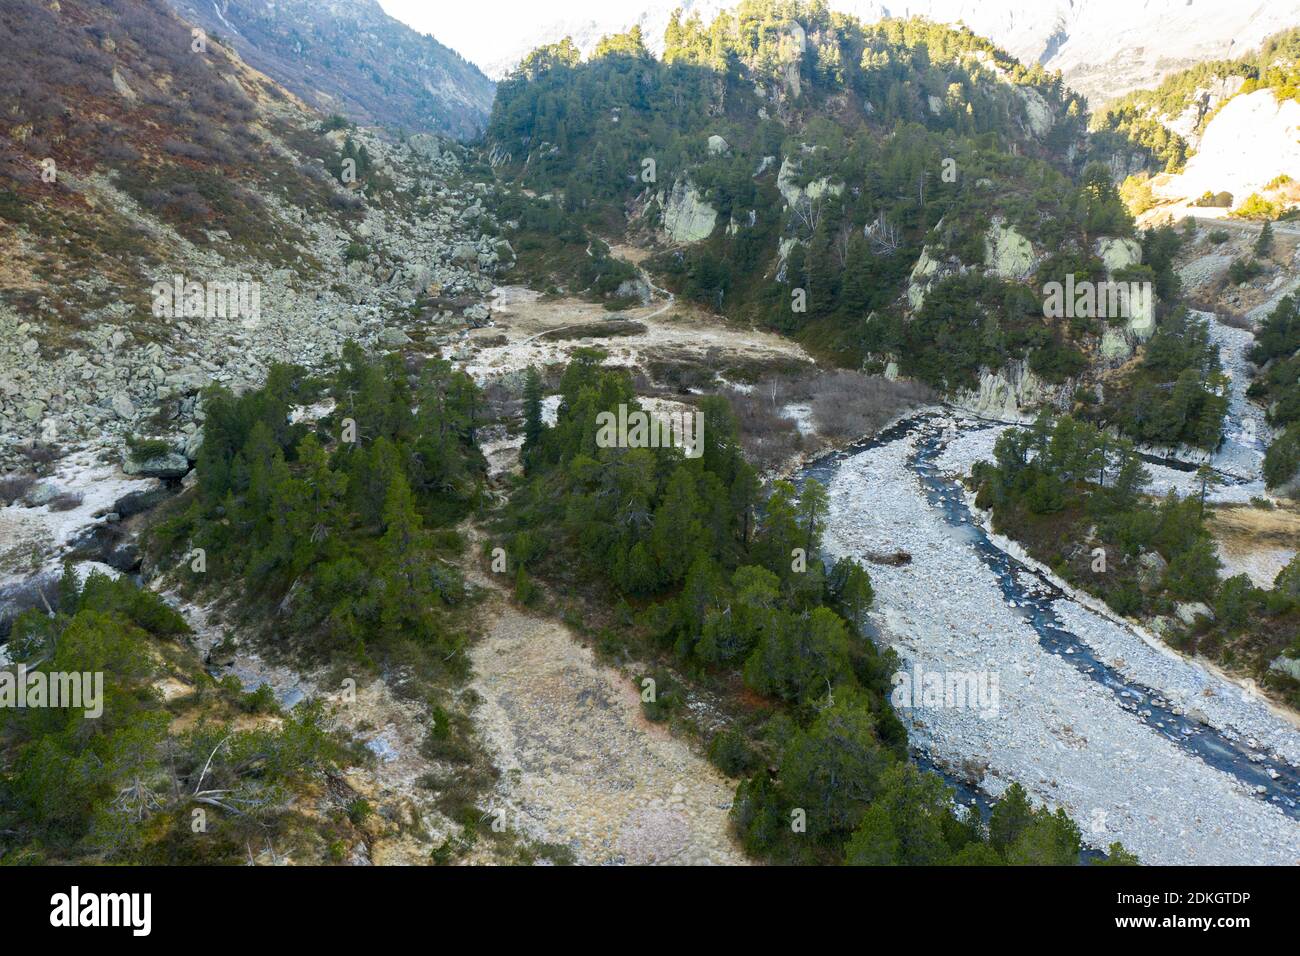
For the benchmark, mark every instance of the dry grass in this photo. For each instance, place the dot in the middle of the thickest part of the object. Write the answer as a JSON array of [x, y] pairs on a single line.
[[1245, 526]]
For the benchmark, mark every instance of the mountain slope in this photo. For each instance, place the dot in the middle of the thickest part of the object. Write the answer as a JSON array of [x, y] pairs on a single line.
[[129, 161], [352, 58], [1221, 135], [897, 196], [1102, 47]]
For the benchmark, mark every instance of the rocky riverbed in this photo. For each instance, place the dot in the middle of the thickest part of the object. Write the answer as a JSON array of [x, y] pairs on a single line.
[[1061, 732]]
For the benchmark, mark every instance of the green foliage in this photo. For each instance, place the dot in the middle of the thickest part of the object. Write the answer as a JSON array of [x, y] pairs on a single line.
[[1243, 270], [1264, 241], [1177, 395], [714, 562], [1221, 200], [1277, 352], [1136, 193], [580, 136], [1069, 467], [145, 448], [121, 786], [337, 532], [1069, 492], [1256, 206], [731, 753], [532, 416]]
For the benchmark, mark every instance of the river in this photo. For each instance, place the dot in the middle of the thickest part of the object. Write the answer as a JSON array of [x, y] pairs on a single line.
[[1137, 743]]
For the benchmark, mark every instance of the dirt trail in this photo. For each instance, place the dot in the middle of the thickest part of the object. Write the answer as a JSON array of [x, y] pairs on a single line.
[[524, 327], [580, 764]]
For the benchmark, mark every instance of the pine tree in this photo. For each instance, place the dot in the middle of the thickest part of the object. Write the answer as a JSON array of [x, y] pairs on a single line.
[[851, 585], [678, 533], [534, 428], [403, 602], [316, 512], [1264, 242], [813, 507]]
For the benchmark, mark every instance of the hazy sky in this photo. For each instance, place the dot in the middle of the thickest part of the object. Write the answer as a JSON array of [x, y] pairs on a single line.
[[483, 31]]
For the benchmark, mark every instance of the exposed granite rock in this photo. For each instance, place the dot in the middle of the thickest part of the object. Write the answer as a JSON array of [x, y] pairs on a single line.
[[687, 217]]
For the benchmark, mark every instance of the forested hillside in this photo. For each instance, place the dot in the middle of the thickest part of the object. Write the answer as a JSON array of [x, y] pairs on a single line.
[[896, 196]]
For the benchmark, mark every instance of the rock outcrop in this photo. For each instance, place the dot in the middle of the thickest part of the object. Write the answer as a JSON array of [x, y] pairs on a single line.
[[1007, 393], [687, 217], [132, 372], [1007, 253]]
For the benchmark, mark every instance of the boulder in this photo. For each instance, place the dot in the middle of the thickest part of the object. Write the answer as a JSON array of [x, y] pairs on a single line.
[[1163, 626], [1006, 392], [122, 406], [1007, 253], [1118, 253], [1191, 610], [41, 493], [1115, 346], [465, 253], [1286, 665], [222, 654], [1038, 113], [168, 464], [425, 144], [687, 217], [136, 502], [1151, 570], [193, 443]]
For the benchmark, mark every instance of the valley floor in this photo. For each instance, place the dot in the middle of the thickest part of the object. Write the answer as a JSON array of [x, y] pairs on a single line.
[[580, 764]]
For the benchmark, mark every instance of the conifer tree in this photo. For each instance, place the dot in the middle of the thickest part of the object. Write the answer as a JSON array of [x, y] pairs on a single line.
[[533, 425]]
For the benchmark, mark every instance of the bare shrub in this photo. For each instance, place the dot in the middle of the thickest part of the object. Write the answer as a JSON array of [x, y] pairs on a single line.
[[39, 453], [41, 591], [345, 201], [315, 172], [186, 150], [1237, 320], [767, 438], [65, 501], [13, 487], [845, 406], [610, 328], [850, 405], [119, 152]]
